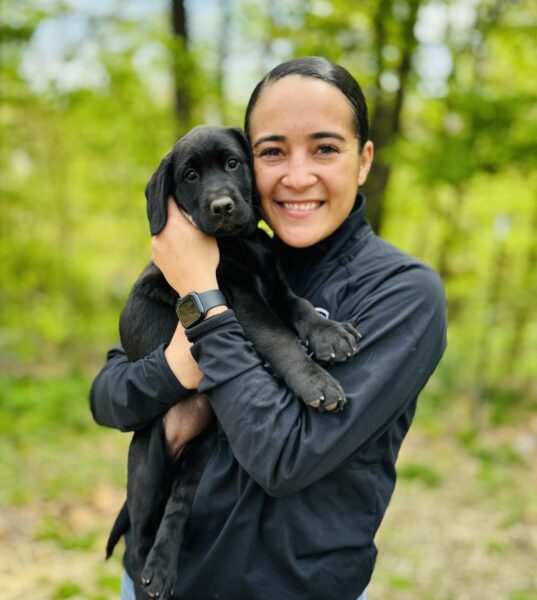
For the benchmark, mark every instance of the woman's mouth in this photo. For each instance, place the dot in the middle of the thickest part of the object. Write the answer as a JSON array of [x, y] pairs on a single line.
[[301, 208]]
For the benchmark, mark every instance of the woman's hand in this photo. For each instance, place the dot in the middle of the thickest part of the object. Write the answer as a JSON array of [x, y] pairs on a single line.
[[187, 257], [184, 421]]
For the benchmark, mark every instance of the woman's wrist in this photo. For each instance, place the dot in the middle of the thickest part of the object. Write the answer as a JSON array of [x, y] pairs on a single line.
[[203, 285], [180, 360]]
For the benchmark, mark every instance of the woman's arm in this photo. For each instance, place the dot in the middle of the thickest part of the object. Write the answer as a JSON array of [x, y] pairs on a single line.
[[284, 445], [130, 395]]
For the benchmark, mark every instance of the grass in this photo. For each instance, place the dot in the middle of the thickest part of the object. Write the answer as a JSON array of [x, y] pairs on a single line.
[[462, 523], [51, 447], [63, 482]]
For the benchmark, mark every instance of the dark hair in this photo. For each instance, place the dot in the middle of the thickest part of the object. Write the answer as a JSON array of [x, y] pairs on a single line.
[[324, 69]]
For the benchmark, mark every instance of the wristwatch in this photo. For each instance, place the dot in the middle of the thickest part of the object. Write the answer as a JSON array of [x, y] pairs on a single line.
[[192, 308]]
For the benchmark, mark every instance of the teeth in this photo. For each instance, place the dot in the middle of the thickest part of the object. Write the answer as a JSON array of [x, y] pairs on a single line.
[[305, 206]]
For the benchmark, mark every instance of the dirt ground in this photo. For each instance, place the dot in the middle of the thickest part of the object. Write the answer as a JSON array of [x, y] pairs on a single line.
[[462, 526], [471, 536]]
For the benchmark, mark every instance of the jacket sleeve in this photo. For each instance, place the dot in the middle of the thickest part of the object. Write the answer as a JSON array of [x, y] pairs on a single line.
[[285, 445], [129, 395]]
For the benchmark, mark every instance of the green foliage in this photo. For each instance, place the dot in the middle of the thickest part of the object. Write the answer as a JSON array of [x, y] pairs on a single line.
[[47, 442], [63, 536], [68, 589], [399, 582], [461, 195], [420, 472], [523, 596], [461, 192], [34, 410]]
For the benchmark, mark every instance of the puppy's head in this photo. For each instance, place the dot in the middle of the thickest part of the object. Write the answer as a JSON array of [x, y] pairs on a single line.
[[209, 173]]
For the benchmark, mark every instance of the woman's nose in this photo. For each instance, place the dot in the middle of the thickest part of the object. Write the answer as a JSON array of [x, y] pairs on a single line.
[[300, 174]]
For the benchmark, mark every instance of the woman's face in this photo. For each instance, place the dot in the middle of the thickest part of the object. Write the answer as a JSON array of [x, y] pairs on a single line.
[[306, 158]]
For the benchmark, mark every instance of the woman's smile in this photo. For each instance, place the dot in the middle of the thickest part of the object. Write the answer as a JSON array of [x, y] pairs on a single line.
[[299, 208]]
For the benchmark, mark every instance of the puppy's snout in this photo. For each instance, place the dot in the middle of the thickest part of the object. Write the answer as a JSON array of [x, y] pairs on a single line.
[[222, 206]]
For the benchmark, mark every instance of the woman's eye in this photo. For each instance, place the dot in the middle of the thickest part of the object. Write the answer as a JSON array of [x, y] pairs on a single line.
[[326, 149], [190, 176], [232, 163], [270, 152]]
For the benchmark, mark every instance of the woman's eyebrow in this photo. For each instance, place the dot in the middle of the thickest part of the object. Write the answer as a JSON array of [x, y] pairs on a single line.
[[318, 135], [269, 138]]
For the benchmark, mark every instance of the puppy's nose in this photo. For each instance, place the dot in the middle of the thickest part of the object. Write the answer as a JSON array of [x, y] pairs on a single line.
[[222, 206]]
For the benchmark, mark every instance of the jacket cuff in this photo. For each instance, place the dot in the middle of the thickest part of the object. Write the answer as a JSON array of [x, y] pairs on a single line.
[[221, 350], [195, 333], [174, 387]]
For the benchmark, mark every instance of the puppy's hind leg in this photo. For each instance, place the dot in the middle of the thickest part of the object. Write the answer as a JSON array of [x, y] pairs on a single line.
[[147, 490], [160, 571]]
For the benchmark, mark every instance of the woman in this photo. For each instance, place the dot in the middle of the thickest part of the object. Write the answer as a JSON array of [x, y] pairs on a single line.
[[291, 499]]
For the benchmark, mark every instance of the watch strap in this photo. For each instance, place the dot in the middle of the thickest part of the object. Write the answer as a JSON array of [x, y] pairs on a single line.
[[211, 299]]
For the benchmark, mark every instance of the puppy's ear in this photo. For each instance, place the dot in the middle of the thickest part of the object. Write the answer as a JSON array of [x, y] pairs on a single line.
[[240, 136], [158, 190]]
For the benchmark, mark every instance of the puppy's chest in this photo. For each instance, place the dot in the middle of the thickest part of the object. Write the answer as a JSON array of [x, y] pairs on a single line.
[[247, 255]]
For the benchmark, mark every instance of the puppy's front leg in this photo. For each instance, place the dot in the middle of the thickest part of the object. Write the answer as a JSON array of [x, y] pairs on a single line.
[[280, 347], [330, 341]]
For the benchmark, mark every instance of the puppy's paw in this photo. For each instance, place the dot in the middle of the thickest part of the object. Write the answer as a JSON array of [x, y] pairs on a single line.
[[157, 580], [333, 342], [324, 393]]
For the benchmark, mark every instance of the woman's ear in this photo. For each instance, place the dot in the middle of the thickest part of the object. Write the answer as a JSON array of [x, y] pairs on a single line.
[[366, 160]]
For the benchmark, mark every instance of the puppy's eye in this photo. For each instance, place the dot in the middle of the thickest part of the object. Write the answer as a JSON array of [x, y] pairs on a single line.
[[190, 175], [232, 163]]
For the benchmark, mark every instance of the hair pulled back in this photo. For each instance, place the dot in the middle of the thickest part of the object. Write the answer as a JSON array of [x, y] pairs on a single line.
[[324, 69]]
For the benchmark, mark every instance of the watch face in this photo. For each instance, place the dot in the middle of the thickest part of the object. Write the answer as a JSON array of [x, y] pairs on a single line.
[[188, 311]]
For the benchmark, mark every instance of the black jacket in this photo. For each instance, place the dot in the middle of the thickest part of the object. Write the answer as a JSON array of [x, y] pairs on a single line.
[[291, 499]]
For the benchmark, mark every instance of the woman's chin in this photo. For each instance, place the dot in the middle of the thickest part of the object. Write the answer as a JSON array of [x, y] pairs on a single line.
[[298, 237]]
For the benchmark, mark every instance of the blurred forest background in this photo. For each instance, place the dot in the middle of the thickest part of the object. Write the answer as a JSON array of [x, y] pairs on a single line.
[[94, 93]]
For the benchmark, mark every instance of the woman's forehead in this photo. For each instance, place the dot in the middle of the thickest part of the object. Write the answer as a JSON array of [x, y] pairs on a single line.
[[301, 103]]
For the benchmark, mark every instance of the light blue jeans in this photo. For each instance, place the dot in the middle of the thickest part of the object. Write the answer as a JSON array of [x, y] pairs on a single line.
[[127, 589]]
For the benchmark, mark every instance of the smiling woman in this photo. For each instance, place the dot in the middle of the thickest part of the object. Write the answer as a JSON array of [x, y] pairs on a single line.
[[307, 158], [291, 499]]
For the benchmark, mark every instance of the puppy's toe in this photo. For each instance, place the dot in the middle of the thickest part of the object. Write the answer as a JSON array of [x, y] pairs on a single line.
[[316, 403]]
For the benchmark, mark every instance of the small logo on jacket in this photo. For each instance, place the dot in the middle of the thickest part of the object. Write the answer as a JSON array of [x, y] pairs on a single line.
[[322, 311]]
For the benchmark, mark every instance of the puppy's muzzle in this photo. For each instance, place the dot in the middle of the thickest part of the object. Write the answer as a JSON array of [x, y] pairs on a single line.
[[222, 207]]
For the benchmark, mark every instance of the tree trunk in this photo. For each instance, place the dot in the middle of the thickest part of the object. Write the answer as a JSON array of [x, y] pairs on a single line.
[[523, 307], [182, 66], [386, 121], [223, 53]]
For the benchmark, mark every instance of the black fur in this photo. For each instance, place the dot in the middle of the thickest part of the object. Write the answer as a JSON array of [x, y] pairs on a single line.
[[209, 173]]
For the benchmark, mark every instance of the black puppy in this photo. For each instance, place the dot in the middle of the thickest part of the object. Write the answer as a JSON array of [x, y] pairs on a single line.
[[209, 173]]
